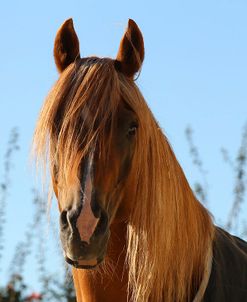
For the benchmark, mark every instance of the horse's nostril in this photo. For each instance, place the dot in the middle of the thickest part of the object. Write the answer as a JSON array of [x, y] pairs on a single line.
[[102, 224], [63, 219], [96, 209]]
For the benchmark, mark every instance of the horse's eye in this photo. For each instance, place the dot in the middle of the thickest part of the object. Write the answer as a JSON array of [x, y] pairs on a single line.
[[132, 130]]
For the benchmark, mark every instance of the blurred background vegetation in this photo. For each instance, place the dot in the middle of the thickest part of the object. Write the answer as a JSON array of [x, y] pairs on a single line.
[[60, 288], [52, 287]]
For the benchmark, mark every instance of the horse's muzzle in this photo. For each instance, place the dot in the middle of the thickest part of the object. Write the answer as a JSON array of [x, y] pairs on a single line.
[[81, 249]]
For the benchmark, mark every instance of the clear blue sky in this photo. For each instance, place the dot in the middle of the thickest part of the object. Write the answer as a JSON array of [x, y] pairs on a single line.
[[195, 73]]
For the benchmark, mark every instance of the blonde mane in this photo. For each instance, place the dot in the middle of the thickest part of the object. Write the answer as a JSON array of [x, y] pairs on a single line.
[[169, 231]]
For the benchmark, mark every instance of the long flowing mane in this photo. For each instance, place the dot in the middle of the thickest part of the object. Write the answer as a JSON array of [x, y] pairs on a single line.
[[169, 231]]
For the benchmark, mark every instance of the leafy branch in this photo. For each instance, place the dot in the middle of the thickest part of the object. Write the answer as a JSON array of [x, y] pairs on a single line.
[[239, 168], [201, 189], [12, 147]]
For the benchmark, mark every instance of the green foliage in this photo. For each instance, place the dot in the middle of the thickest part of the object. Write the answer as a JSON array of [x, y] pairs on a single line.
[[14, 290]]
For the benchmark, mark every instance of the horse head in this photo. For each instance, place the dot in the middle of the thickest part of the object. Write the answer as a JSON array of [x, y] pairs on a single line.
[[93, 139]]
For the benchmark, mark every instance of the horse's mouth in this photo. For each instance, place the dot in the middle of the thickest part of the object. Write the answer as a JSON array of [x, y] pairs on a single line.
[[84, 264]]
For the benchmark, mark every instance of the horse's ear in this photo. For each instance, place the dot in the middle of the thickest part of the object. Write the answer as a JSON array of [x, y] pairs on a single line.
[[131, 51], [66, 46]]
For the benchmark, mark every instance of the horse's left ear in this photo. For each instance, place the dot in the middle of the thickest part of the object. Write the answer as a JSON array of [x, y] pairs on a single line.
[[66, 46], [131, 51]]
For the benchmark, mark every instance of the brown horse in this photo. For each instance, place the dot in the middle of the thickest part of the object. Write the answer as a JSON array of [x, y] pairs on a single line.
[[129, 222]]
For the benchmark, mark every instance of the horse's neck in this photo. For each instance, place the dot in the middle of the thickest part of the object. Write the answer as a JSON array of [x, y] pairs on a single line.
[[110, 284]]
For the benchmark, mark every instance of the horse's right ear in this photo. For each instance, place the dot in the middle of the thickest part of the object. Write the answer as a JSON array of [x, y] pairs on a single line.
[[66, 46], [131, 51]]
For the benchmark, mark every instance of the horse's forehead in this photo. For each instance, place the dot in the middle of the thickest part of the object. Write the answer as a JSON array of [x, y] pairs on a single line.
[[89, 113]]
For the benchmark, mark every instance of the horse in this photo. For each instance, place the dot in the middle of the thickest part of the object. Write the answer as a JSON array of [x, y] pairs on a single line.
[[130, 225]]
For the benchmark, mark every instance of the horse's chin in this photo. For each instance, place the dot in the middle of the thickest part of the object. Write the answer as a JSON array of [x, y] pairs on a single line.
[[84, 264]]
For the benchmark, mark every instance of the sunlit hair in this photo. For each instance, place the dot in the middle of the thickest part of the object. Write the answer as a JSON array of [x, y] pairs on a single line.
[[169, 231], [78, 111]]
